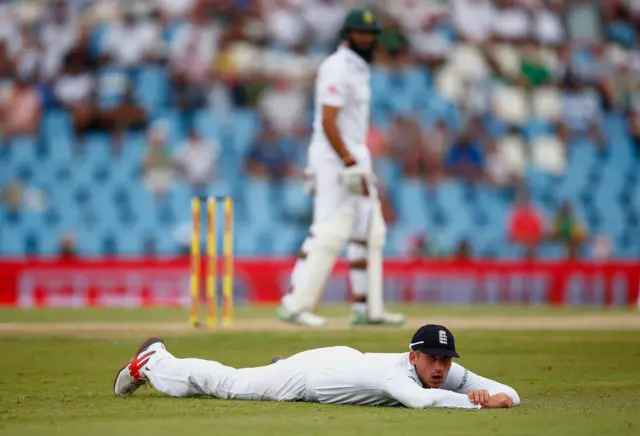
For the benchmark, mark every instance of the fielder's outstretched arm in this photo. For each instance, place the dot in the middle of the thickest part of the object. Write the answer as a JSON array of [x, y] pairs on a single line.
[[462, 380], [406, 391]]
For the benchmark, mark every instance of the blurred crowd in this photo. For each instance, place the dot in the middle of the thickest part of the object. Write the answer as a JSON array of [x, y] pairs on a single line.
[[566, 62]]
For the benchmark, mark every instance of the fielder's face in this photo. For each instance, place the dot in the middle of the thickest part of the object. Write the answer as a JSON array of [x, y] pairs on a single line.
[[432, 370]]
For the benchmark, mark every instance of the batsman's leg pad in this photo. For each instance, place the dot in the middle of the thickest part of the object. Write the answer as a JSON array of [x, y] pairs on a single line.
[[300, 261], [357, 255], [330, 238]]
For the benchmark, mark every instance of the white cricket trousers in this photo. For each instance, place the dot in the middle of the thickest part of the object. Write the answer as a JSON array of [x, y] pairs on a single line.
[[331, 195], [296, 378]]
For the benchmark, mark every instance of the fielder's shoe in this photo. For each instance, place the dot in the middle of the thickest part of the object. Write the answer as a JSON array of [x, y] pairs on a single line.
[[359, 318], [306, 319], [129, 379]]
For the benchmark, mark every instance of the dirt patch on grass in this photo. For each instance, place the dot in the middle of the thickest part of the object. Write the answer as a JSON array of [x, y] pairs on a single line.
[[629, 321]]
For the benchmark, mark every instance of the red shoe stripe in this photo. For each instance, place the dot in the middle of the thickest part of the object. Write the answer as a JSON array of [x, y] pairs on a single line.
[[137, 363]]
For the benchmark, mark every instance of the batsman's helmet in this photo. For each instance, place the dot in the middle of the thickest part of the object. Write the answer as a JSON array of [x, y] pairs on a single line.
[[360, 19]]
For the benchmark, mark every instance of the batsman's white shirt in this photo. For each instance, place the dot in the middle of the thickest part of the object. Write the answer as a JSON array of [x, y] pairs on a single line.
[[334, 375], [343, 80]]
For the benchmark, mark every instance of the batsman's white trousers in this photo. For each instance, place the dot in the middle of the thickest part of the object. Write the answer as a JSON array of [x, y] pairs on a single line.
[[308, 376], [331, 195]]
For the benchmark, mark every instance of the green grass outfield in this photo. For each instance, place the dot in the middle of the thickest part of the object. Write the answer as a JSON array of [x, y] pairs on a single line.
[[570, 382], [176, 315]]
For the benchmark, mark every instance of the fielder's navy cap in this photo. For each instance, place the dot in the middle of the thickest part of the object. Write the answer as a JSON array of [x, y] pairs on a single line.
[[434, 340]]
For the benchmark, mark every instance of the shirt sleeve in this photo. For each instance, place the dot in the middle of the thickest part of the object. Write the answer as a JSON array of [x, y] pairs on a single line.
[[407, 392], [461, 380], [331, 87]]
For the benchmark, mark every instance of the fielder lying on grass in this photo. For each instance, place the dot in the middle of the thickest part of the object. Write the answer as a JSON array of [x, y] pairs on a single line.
[[421, 378]]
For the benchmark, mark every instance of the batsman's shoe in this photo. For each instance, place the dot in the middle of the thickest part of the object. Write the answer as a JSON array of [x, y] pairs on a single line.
[[359, 318], [306, 319], [129, 379]]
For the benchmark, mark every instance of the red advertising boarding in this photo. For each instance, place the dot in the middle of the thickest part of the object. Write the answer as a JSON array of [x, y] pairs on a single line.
[[152, 282]]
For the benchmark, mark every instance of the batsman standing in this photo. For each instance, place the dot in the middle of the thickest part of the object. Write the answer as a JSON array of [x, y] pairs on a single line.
[[346, 205]]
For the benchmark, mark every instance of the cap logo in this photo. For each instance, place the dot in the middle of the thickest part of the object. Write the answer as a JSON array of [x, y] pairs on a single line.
[[367, 17], [442, 337]]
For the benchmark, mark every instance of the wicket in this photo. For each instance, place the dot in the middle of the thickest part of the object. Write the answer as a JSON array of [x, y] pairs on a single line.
[[212, 261]]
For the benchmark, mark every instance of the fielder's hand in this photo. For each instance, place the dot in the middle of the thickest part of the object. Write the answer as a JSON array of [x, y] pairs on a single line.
[[357, 180], [479, 396], [499, 401]]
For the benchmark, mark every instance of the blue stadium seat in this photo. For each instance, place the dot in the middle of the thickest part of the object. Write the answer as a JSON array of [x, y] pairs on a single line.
[[170, 31], [97, 39], [129, 241], [401, 102], [82, 173], [43, 175], [398, 237], [207, 125], [613, 178], [436, 107], [143, 206], [451, 197], [89, 242], [294, 200], [535, 128], [12, 239], [495, 126], [152, 87], [410, 202], [259, 202], [537, 179], [387, 171], [218, 188], [23, 150], [179, 199], [613, 223], [245, 128], [552, 251], [622, 33], [131, 157], [49, 240], [570, 187], [380, 115], [165, 243], [97, 148], [511, 251], [494, 206], [417, 81], [288, 240], [380, 87], [58, 130], [246, 240], [635, 199]]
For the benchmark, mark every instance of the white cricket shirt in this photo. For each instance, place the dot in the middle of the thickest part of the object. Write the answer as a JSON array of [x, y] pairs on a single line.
[[388, 379], [344, 81]]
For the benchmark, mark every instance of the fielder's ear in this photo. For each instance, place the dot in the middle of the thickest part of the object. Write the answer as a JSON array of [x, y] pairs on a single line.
[[413, 357]]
